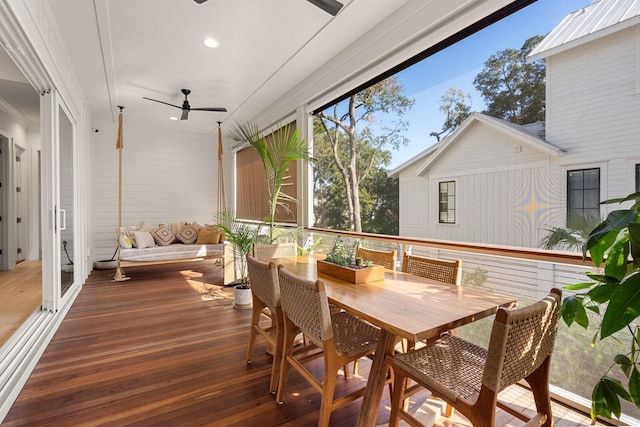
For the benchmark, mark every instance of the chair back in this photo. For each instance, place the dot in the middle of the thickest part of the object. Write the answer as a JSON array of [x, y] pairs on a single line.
[[274, 250], [264, 281], [521, 340], [436, 269], [305, 303], [383, 258]]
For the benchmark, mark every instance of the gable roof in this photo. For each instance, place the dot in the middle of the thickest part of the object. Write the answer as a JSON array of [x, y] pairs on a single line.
[[597, 20], [418, 158], [527, 135]]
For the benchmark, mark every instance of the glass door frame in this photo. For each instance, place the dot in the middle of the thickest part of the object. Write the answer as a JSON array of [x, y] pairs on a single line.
[[50, 107]]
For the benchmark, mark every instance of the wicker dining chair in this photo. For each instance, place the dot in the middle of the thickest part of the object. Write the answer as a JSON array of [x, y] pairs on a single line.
[[274, 250], [341, 336], [383, 258], [265, 292], [469, 377], [430, 268]]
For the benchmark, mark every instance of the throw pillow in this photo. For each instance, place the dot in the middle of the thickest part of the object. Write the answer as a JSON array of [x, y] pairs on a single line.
[[145, 226], [196, 226], [208, 237], [210, 227], [187, 235], [144, 239], [163, 235], [125, 242]]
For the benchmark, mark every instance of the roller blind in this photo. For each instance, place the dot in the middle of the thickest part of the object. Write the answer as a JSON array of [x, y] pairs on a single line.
[[252, 199]]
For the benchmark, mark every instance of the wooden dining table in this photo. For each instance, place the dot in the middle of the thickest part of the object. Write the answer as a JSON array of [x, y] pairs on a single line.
[[402, 306]]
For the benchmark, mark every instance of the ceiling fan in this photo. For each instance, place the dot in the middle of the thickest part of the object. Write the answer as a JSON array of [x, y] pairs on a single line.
[[330, 6], [185, 104]]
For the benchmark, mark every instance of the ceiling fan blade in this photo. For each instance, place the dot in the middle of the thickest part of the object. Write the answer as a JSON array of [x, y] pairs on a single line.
[[330, 6], [161, 102], [220, 109], [185, 114]]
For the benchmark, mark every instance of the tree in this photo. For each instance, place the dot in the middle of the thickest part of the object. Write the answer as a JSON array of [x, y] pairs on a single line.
[[456, 107], [356, 148], [513, 89]]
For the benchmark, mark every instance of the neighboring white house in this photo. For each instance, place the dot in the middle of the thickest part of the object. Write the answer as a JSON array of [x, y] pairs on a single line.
[[498, 183]]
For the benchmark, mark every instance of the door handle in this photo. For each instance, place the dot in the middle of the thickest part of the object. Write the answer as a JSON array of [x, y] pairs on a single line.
[[63, 219]]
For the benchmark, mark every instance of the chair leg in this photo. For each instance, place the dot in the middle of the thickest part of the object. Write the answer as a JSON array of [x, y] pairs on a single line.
[[290, 332], [258, 306], [277, 355], [539, 382], [345, 370], [328, 390], [397, 398]]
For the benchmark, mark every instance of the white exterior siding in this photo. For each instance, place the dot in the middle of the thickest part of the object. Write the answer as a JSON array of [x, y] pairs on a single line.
[[506, 191], [414, 197], [598, 127], [505, 194]]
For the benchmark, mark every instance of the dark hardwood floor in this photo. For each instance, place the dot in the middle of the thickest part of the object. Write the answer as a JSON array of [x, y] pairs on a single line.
[[164, 348], [167, 348]]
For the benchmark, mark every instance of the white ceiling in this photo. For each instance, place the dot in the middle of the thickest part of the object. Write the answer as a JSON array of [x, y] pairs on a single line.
[[125, 50]]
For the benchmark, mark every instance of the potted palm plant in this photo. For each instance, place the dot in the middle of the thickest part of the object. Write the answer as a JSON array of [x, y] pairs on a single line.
[[241, 236]]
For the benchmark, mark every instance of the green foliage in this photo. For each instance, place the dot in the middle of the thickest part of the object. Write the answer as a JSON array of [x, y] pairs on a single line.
[[572, 237], [342, 253], [309, 247], [477, 278], [616, 242], [277, 151], [241, 235], [350, 176], [456, 106], [513, 89]]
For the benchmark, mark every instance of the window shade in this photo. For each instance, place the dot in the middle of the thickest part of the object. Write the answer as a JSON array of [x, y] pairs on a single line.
[[252, 199]]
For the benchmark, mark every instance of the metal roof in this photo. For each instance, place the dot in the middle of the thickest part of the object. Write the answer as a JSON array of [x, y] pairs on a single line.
[[597, 20]]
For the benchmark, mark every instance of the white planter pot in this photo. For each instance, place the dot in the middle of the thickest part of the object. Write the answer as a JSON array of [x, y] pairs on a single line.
[[243, 299]]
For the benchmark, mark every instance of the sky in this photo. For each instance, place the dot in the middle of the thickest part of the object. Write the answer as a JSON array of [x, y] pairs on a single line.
[[458, 65]]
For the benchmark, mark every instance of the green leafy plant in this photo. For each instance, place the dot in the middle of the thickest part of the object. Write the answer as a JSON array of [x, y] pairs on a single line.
[[309, 247], [282, 147], [342, 253], [242, 236], [616, 296]]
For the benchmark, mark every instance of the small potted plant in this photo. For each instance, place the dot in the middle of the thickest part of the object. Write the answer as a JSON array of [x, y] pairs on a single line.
[[241, 236], [342, 264]]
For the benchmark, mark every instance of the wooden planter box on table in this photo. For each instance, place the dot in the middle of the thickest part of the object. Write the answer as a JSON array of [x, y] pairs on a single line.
[[351, 275]]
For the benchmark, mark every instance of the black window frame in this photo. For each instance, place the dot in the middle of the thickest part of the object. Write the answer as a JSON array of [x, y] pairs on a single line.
[[583, 189], [446, 202]]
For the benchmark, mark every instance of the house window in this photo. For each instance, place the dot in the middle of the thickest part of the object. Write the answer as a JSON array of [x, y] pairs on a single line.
[[447, 202], [583, 194]]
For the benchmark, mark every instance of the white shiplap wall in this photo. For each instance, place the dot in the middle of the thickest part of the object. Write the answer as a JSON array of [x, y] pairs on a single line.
[[166, 178]]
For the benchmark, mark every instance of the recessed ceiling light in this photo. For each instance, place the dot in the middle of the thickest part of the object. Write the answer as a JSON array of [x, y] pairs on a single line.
[[173, 118], [210, 43]]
